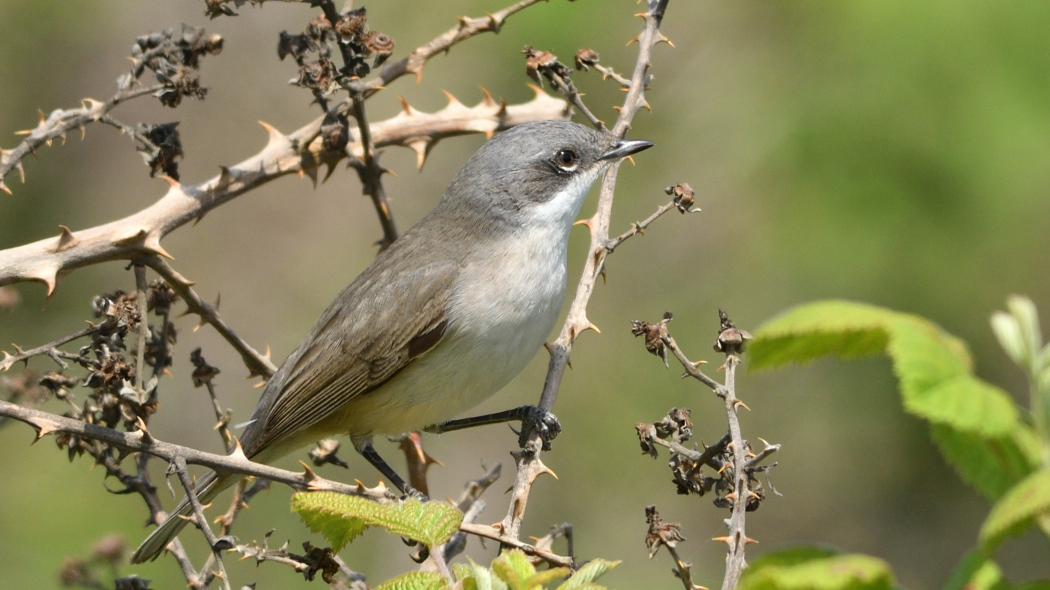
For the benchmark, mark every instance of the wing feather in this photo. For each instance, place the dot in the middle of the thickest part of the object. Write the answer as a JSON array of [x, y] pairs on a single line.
[[373, 330]]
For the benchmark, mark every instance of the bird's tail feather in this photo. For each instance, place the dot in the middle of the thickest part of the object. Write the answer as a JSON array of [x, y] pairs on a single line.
[[206, 489]]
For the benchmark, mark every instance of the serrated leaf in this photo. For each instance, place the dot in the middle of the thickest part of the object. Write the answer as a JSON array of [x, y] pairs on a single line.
[[339, 530], [430, 523], [416, 581], [542, 578], [990, 465], [972, 420], [1017, 510], [588, 574], [842, 572], [514, 568], [968, 404], [976, 571]]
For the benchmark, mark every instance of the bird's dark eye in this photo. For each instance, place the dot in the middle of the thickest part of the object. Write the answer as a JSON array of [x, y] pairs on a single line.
[[566, 159]]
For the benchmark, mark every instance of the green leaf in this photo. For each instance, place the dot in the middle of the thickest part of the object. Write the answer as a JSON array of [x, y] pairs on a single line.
[[841, 572], [588, 574], [514, 568], [416, 581], [1008, 332], [967, 404], [1017, 510], [990, 465], [341, 518], [476, 577], [976, 571], [1027, 317], [975, 423], [1035, 585], [338, 529], [793, 556]]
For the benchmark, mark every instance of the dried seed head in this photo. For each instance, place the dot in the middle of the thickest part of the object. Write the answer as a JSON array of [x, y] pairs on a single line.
[[660, 533], [317, 75], [683, 196], [296, 46], [75, 572], [730, 339], [655, 335], [351, 25], [160, 296], [166, 150], [379, 43], [325, 452], [319, 28], [335, 136], [203, 372], [110, 549], [585, 58]]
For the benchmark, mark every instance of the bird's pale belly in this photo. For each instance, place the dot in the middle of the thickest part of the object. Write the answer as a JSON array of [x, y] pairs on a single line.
[[498, 328]]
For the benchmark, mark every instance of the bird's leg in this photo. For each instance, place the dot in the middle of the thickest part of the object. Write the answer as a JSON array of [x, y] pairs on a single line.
[[533, 419], [365, 448]]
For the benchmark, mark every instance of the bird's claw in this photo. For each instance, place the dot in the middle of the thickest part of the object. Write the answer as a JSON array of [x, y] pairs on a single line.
[[412, 493], [541, 422]]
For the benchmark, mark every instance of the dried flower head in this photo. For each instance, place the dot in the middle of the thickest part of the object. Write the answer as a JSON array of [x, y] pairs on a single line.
[[683, 196], [660, 533], [203, 372], [351, 25], [585, 58]]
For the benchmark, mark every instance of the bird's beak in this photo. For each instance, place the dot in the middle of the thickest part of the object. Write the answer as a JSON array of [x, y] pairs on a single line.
[[625, 147]]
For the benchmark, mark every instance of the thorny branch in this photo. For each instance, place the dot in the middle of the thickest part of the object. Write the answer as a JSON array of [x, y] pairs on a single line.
[[300, 152], [682, 200], [737, 487], [257, 364], [528, 459], [143, 442]]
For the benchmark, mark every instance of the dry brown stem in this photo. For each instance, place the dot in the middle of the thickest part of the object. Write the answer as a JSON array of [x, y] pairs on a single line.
[[529, 464]]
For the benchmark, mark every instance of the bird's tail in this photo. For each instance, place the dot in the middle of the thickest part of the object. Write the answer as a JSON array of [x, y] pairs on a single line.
[[206, 489]]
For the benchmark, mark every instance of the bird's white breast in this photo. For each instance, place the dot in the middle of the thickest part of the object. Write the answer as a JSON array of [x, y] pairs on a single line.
[[504, 305]]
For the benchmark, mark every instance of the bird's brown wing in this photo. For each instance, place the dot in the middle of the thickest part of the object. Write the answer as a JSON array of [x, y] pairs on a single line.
[[371, 331]]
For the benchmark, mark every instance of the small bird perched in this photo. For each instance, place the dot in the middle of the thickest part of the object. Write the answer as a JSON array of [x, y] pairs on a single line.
[[444, 317]]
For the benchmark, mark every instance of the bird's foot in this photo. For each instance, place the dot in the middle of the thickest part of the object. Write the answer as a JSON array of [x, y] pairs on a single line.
[[541, 422], [414, 494]]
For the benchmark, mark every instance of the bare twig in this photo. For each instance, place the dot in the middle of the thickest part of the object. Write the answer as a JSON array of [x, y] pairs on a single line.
[[611, 73], [467, 28], [301, 152], [46, 423], [50, 349], [140, 301], [257, 363], [638, 227], [58, 124], [529, 464], [491, 532], [371, 174], [179, 466], [737, 538]]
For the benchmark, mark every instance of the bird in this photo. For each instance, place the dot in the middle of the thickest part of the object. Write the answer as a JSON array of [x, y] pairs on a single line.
[[443, 318]]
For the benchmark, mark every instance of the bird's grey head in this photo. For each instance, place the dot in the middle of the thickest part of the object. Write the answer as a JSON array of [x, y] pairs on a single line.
[[534, 173]]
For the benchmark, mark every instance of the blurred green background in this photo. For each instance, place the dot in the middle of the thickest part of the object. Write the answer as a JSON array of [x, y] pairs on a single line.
[[887, 151]]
